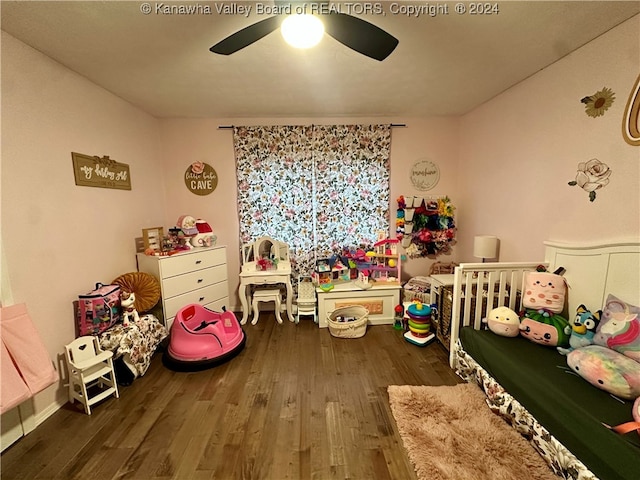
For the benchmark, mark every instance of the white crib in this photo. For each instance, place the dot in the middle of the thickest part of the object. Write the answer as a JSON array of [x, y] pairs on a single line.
[[499, 284]]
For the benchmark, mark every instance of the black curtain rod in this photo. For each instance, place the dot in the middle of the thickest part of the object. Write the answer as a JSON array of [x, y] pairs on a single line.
[[229, 127]]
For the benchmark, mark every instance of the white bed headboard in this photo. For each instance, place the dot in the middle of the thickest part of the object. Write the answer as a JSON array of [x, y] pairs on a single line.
[[593, 271]]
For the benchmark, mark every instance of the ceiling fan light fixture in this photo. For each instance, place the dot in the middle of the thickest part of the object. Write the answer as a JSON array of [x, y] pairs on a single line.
[[302, 31]]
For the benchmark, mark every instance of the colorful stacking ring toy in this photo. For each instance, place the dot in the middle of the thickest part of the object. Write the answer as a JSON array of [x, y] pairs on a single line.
[[419, 327], [418, 332], [419, 320], [419, 310]]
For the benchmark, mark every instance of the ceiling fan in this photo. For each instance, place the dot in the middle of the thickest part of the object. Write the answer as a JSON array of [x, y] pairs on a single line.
[[355, 33]]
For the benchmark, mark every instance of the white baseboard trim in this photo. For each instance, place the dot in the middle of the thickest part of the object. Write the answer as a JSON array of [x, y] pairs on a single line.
[[22, 420], [47, 412]]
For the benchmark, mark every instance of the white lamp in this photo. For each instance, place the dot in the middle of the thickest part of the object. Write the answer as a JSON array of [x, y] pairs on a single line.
[[302, 31], [485, 246]]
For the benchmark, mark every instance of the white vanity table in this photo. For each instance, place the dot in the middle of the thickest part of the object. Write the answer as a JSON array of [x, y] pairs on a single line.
[[252, 275]]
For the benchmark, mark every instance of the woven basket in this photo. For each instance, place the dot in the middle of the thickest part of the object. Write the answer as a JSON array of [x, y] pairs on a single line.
[[351, 329]]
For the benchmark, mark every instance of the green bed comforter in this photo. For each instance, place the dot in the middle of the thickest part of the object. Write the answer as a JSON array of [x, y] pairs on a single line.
[[570, 408]]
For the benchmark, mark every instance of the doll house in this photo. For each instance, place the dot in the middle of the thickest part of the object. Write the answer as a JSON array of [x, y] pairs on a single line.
[[332, 270], [385, 262], [323, 271]]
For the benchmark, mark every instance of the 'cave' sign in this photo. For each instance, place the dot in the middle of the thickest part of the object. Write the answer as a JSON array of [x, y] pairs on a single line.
[[200, 178]]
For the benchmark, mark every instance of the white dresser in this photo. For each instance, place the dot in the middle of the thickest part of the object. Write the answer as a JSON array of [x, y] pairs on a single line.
[[194, 276]]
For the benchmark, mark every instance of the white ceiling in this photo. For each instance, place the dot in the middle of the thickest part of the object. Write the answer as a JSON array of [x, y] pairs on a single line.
[[444, 65]]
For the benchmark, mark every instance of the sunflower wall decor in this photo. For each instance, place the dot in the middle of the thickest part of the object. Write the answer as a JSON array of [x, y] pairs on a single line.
[[591, 176], [595, 105]]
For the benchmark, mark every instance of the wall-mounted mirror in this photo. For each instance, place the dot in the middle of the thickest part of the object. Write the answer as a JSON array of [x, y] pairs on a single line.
[[631, 119]]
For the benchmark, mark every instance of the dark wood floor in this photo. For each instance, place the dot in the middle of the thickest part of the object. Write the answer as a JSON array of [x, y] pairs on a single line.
[[297, 403]]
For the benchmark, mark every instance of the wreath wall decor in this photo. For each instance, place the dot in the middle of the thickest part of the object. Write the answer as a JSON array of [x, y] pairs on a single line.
[[425, 226]]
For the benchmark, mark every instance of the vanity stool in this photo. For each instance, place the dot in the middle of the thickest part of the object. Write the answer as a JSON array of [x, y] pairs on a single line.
[[266, 295]]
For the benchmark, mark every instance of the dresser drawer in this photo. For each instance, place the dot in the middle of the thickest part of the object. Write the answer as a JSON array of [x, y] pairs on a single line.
[[203, 296], [184, 263], [218, 304], [180, 284]]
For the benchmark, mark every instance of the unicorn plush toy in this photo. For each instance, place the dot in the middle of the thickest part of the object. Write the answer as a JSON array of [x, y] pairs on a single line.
[[619, 328], [127, 301]]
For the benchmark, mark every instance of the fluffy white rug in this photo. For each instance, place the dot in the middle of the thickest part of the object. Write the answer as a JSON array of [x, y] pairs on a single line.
[[450, 433]]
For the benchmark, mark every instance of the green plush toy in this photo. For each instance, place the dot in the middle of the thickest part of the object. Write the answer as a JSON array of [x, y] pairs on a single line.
[[544, 327]]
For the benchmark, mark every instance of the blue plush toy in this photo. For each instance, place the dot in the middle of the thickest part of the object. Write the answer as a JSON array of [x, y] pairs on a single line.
[[582, 329]]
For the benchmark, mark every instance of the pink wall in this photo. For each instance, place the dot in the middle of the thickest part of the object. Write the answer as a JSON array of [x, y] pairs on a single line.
[[190, 140], [59, 239], [518, 151]]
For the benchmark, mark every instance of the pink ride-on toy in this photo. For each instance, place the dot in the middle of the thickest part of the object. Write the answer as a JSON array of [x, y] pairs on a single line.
[[201, 338]]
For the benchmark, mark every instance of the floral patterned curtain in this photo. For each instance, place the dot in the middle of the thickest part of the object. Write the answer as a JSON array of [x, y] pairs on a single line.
[[317, 188]]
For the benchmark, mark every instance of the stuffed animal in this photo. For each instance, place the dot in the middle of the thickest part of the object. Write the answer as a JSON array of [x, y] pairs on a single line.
[[545, 328], [619, 328], [544, 290], [607, 369], [127, 302], [582, 330], [504, 322]]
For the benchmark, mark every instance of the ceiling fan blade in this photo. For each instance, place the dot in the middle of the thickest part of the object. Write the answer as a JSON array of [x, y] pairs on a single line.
[[359, 35], [247, 36]]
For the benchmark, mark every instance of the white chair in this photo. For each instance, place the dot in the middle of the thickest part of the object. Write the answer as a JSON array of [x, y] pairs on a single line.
[[91, 374], [266, 295], [306, 298]]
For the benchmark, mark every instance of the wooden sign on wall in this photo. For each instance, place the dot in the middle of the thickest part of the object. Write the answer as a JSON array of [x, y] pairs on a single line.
[[201, 178], [100, 172]]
